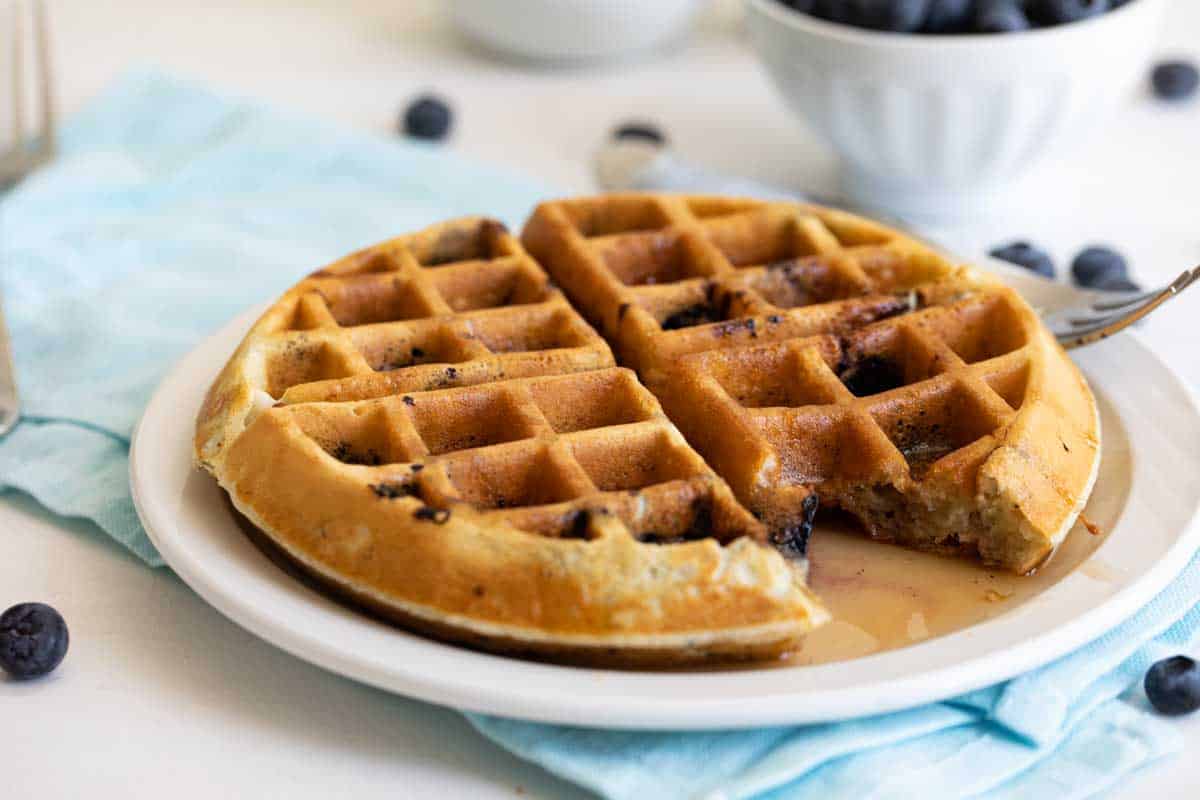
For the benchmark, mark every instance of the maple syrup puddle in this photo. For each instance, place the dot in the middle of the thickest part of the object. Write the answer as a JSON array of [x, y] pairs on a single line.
[[884, 597]]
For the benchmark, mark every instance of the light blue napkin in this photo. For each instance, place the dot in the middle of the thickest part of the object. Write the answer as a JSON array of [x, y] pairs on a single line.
[[171, 210], [1065, 731]]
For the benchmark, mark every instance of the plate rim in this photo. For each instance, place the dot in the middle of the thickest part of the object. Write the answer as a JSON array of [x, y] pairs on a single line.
[[523, 696]]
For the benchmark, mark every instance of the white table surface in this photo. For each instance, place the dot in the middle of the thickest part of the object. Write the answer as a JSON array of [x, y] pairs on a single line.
[[160, 695]]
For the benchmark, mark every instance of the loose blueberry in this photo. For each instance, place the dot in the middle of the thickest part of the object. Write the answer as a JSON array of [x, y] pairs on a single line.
[[1023, 254], [948, 16], [642, 131], [1057, 12], [1117, 284], [33, 640], [428, 117], [999, 16], [1095, 265], [1175, 80], [1173, 685]]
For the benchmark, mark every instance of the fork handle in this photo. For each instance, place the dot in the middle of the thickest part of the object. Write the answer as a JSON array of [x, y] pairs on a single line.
[[10, 401]]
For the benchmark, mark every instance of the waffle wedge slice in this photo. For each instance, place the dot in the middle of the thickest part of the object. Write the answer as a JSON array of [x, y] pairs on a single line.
[[805, 351]]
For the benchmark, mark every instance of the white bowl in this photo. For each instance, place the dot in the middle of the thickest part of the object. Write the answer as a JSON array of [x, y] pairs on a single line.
[[572, 30], [938, 126]]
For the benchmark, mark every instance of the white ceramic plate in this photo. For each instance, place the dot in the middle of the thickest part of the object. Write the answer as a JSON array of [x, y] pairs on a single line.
[[1151, 431]]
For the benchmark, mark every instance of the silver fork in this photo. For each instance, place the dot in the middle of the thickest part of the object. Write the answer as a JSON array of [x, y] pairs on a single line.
[[27, 151], [637, 164], [1080, 325]]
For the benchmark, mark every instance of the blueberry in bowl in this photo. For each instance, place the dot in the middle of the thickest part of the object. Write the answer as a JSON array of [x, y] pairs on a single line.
[[1059, 12], [953, 16], [900, 16], [949, 16], [999, 16]]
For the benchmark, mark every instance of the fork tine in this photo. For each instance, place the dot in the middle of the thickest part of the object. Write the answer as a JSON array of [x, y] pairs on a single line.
[[1124, 301], [45, 78], [1104, 326], [1087, 321], [1104, 319], [17, 58], [1085, 335], [1179, 284], [1100, 330], [1093, 314], [1096, 311]]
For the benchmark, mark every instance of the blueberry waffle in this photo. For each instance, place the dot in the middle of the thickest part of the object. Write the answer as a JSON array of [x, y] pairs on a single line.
[[430, 427]]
